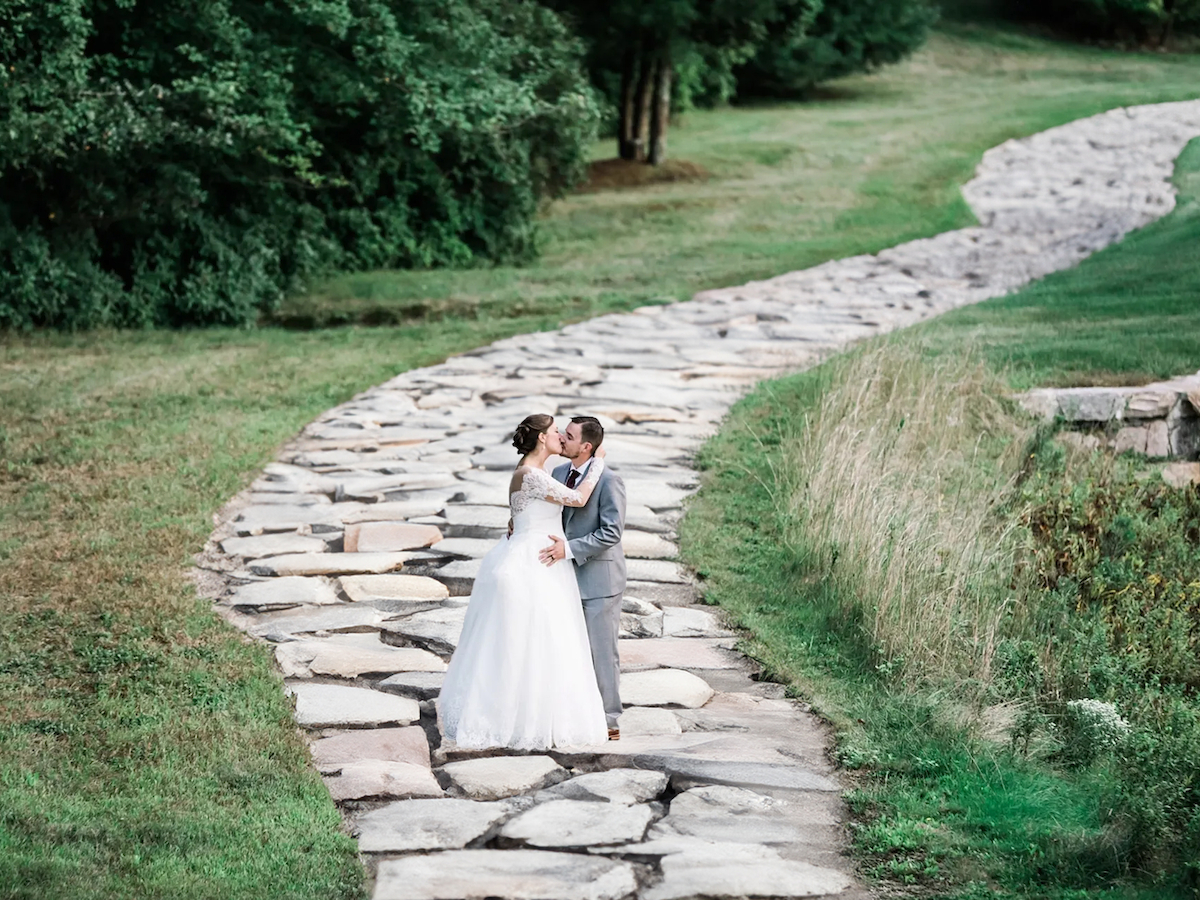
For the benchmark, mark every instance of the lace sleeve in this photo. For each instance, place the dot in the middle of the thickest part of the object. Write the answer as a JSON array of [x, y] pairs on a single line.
[[539, 483]]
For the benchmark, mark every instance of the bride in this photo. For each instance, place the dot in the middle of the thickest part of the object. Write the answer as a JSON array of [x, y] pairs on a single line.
[[522, 675]]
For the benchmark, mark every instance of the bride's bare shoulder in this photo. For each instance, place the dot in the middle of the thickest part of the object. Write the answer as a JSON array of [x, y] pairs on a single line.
[[520, 473]]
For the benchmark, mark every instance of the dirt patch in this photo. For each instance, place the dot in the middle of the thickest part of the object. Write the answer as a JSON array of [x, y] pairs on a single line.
[[616, 174]]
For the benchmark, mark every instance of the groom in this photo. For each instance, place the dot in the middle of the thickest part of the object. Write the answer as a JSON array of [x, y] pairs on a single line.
[[594, 544]]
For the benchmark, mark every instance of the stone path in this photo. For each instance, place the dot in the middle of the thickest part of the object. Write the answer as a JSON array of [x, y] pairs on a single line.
[[354, 553]]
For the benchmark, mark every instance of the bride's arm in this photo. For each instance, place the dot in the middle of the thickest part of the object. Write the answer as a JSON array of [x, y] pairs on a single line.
[[557, 492]]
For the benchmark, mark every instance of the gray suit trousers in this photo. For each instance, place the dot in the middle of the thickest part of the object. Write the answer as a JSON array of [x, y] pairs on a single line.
[[603, 617]]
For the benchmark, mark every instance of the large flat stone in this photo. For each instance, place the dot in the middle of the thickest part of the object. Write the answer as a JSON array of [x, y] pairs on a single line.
[[416, 590], [330, 706], [437, 630], [713, 874], [656, 570], [352, 656], [663, 594], [645, 720], [689, 622], [277, 517], [677, 653], [504, 875], [424, 825], [379, 779], [342, 618], [725, 814], [328, 564], [272, 545], [497, 777], [664, 687], [623, 786], [388, 537], [578, 823], [643, 545], [471, 548], [282, 593], [484, 517], [418, 685], [406, 745], [393, 510]]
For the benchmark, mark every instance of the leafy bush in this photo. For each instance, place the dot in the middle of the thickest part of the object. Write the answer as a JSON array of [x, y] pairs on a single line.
[[845, 37], [1132, 21], [187, 165]]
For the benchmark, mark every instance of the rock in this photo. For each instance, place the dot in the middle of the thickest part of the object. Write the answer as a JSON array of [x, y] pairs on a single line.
[[415, 591], [424, 825], [497, 777], [341, 619], [1158, 439], [638, 607], [724, 814], [685, 771], [392, 510], [664, 687], [458, 576], [488, 518], [642, 626], [406, 745], [678, 653], [272, 545], [282, 593], [508, 874], [1083, 442], [717, 874], [664, 595], [642, 545], [275, 517], [1130, 439], [1181, 474], [471, 548], [379, 779], [578, 823], [386, 537], [328, 563], [689, 622], [437, 630], [418, 685], [644, 720], [331, 706], [623, 786], [352, 656], [656, 570]]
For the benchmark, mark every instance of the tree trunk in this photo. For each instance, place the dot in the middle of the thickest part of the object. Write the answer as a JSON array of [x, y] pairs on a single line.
[[662, 109], [642, 100], [626, 146]]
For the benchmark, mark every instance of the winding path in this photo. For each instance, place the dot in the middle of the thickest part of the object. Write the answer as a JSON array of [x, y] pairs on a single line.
[[719, 786]]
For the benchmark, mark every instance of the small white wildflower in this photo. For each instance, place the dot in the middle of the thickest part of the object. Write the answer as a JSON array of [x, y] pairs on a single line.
[[1098, 722]]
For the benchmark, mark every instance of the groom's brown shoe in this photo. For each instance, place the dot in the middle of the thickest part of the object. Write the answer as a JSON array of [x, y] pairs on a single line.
[[614, 734]]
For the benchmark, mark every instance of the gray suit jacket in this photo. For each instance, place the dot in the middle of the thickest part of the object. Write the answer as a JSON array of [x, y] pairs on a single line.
[[594, 534]]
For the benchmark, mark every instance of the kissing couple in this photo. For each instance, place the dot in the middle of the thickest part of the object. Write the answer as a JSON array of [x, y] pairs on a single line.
[[537, 665]]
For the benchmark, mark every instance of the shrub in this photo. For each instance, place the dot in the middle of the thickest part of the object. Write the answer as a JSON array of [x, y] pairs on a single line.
[[188, 164], [1131, 21]]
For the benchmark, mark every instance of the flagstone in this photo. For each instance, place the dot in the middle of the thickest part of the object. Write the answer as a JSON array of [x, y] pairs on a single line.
[[497, 777], [647, 720], [305, 620], [578, 823], [329, 563], [664, 687], [369, 588], [508, 874], [472, 548], [418, 685], [689, 622], [716, 875], [272, 545], [282, 593], [437, 630], [622, 786], [270, 518], [407, 745], [425, 825], [331, 706], [642, 545], [379, 779], [384, 537], [392, 510], [678, 653], [656, 570], [352, 656]]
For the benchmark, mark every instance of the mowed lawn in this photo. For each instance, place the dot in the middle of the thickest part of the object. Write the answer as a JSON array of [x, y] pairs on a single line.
[[146, 749]]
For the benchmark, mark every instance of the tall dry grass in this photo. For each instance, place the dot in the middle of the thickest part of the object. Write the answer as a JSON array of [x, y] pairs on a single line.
[[893, 490]]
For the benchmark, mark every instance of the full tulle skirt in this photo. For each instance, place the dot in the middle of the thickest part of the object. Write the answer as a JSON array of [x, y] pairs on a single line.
[[522, 675]]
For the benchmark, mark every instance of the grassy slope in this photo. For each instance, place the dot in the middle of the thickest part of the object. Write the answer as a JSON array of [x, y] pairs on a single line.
[[144, 748], [942, 810]]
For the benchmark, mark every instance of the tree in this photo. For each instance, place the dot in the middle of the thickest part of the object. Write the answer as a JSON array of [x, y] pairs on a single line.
[[187, 161], [844, 37], [635, 52]]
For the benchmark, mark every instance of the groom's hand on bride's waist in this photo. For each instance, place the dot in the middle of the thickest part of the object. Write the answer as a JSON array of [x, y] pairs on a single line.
[[556, 551]]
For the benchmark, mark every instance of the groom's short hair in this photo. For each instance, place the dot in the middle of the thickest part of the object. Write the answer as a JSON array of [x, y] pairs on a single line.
[[590, 430]]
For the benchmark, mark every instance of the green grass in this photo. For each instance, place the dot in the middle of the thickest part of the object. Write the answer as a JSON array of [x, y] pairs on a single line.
[[145, 748], [938, 805]]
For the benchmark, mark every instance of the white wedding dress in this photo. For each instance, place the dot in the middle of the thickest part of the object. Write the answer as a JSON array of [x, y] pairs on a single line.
[[522, 675]]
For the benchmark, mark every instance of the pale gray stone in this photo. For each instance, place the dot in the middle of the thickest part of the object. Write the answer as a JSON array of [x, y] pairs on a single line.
[[1181, 474], [472, 548], [330, 706], [1158, 439], [656, 570], [726, 814], [1130, 439], [650, 626], [369, 588], [664, 687], [637, 606], [643, 545], [497, 777], [437, 630], [624, 786], [388, 537], [713, 875], [579, 823], [489, 517], [329, 563], [352, 656], [392, 510], [272, 545], [406, 745], [645, 720], [689, 622], [379, 779], [342, 618], [678, 653], [424, 825], [508, 874], [282, 593], [418, 685], [270, 518]]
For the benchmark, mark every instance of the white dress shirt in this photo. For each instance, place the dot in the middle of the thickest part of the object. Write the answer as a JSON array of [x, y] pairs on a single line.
[[578, 481]]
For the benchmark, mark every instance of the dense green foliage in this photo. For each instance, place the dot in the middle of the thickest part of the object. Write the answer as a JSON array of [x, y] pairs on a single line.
[[190, 162], [1066, 766], [1128, 21], [845, 36]]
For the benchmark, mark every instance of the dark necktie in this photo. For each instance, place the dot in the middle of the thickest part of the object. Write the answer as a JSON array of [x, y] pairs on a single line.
[[572, 479]]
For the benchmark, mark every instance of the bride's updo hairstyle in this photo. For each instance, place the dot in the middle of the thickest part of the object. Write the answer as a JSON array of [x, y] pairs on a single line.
[[526, 438]]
